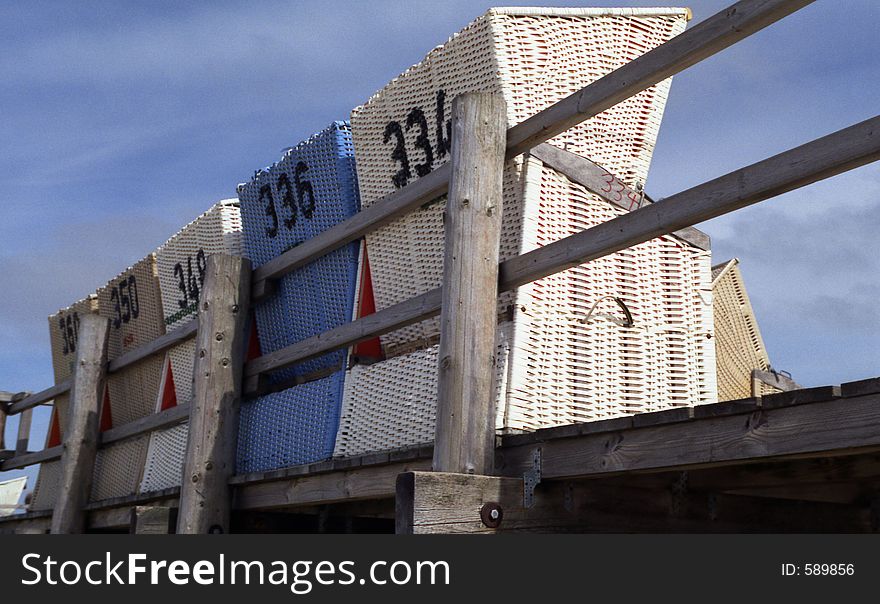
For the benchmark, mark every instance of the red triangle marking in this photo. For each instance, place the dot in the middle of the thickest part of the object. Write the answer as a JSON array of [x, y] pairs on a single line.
[[367, 306], [106, 413], [169, 393], [253, 349], [54, 431]]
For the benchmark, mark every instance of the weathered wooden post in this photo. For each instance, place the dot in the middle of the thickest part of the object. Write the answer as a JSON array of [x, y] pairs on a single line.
[[81, 436], [24, 431], [205, 499], [3, 412], [464, 439]]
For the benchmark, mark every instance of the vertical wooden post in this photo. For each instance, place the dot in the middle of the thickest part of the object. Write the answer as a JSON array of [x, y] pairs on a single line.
[[205, 497], [24, 431], [464, 439], [3, 407], [81, 436]]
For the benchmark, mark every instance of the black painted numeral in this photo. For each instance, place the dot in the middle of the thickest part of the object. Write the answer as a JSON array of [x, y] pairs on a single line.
[[266, 194], [190, 283], [68, 325], [402, 176], [304, 189], [444, 143], [287, 200], [417, 116], [126, 304]]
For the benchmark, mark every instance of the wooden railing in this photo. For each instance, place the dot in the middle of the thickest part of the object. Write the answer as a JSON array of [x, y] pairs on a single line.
[[822, 158]]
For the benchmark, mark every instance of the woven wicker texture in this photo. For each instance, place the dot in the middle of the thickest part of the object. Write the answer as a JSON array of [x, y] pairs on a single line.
[[394, 403], [312, 188], [63, 332], [46, 488], [570, 358], [181, 263], [164, 464], [118, 468], [132, 302], [738, 343], [534, 57], [290, 427]]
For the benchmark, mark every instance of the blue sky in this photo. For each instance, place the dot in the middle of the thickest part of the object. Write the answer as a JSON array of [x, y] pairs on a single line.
[[121, 122]]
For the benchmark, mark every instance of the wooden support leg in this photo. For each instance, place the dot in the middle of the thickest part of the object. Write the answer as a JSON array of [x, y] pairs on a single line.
[[24, 431], [465, 432], [3, 407], [205, 496], [152, 520], [81, 436], [438, 502]]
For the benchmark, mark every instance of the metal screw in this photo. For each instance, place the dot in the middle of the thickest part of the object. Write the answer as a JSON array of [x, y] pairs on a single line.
[[219, 337]]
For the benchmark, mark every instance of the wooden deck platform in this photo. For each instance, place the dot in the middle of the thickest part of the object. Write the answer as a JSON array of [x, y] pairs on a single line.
[[802, 461]]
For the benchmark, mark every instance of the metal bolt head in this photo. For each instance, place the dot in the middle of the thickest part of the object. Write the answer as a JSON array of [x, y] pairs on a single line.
[[491, 514]]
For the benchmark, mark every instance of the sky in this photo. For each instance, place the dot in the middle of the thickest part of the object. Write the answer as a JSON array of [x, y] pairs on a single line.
[[121, 122]]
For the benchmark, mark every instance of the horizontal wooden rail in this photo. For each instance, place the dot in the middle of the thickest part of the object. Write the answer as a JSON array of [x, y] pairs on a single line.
[[700, 42], [380, 213], [29, 459], [156, 421], [822, 158], [38, 398], [594, 178], [160, 344], [163, 419], [838, 152]]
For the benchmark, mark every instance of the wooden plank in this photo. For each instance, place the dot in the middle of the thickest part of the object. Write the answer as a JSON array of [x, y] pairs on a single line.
[[205, 497], [440, 502], [28, 459], [24, 431], [163, 419], [838, 152], [465, 428], [705, 39], [151, 520], [431, 502], [825, 157], [38, 398], [800, 396], [599, 181], [386, 320], [378, 214], [160, 344], [835, 427], [861, 387], [167, 496], [371, 482], [118, 518], [81, 435], [336, 464]]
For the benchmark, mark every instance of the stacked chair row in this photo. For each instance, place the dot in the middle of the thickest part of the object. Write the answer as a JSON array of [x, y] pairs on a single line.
[[565, 351]]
